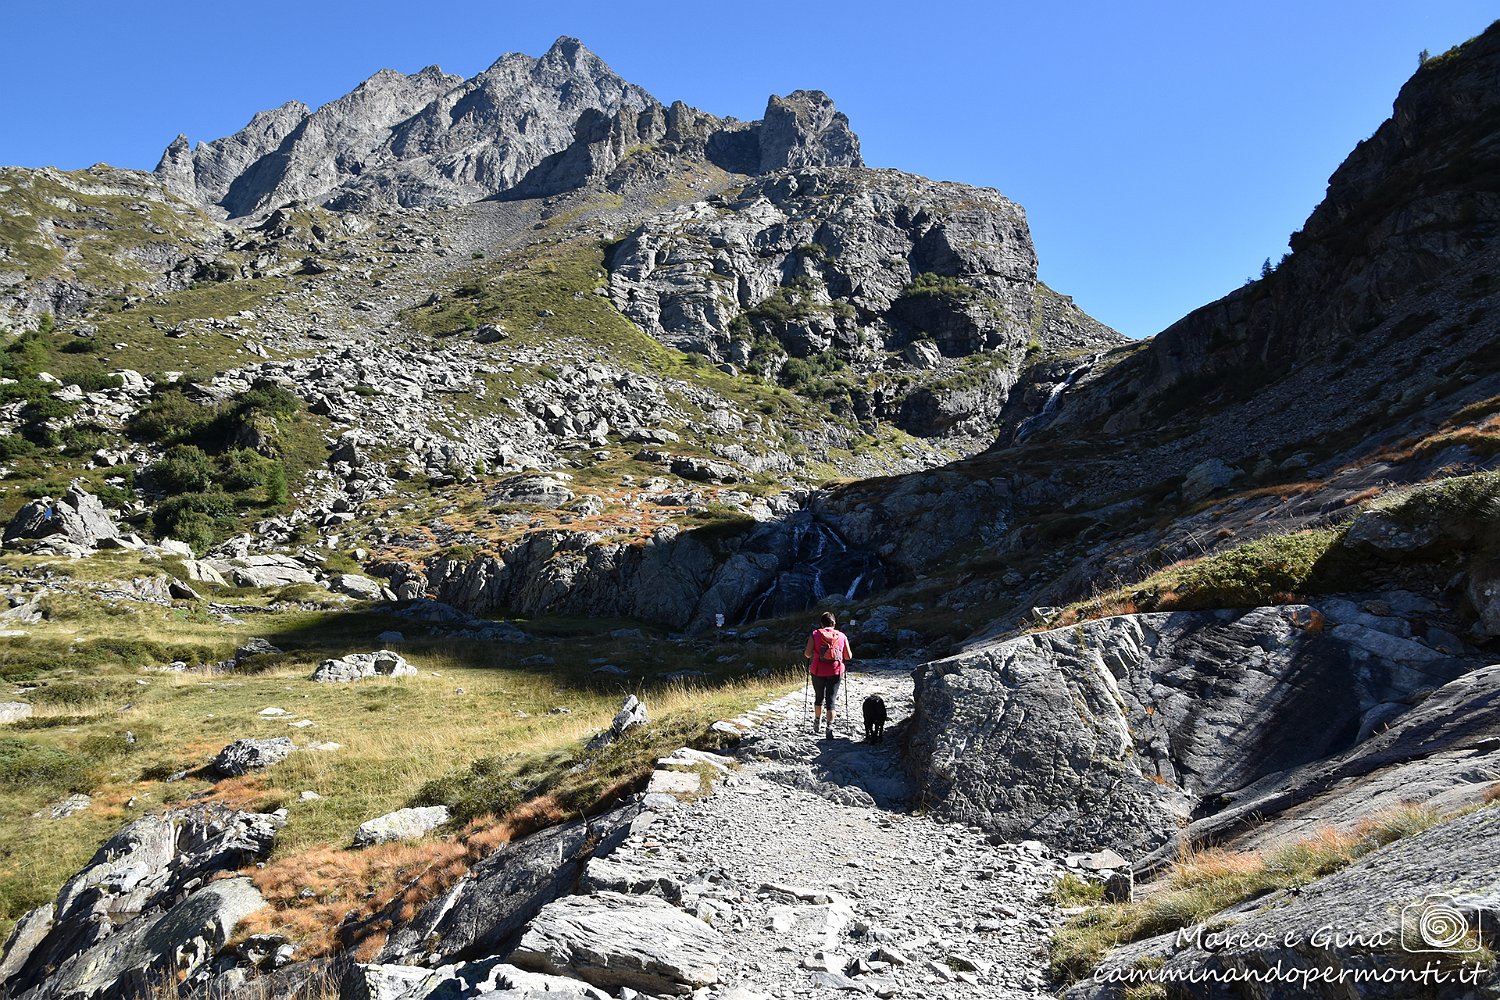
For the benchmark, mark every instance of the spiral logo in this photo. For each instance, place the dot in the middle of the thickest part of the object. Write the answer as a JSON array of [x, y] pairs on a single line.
[[1436, 924], [1442, 926]]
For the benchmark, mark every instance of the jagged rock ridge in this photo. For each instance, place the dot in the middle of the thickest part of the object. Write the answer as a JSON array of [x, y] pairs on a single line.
[[431, 138]]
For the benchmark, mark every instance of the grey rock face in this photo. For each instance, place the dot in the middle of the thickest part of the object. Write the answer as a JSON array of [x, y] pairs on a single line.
[[244, 756], [859, 236], [78, 517], [359, 666], [1455, 865], [1442, 752], [500, 894], [617, 941], [137, 875], [804, 129], [403, 824], [680, 578], [1112, 732], [14, 711], [424, 139]]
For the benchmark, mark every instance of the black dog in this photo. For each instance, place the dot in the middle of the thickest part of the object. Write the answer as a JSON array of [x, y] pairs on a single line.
[[875, 716]]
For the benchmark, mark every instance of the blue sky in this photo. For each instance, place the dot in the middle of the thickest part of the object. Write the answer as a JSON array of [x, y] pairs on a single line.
[[1162, 149]]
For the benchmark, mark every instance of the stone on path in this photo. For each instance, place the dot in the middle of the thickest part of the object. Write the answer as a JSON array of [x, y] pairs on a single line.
[[613, 941]]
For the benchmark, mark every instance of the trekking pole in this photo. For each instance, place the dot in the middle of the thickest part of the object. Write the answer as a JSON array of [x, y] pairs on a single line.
[[846, 699], [806, 680]]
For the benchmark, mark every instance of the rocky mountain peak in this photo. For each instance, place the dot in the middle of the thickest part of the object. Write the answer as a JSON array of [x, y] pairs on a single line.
[[804, 129], [524, 126]]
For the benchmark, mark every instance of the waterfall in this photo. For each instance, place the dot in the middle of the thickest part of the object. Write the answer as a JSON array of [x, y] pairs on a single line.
[[1025, 427]]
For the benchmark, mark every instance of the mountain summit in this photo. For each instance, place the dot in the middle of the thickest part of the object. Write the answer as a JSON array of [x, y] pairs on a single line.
[[431, 138]]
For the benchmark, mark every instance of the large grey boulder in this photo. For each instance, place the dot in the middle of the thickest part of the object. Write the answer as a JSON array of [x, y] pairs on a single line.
[[139, 874], [1113, 732], [1443, 753], [360, 666], [78, 517], [269, 571], [170, 944], [361, 588], [499, 895], [615, 941], [403, 824], [1375, 905], [14, 711], [243, 756]]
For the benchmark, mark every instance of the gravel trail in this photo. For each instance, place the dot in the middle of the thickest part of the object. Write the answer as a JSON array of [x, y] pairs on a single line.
[[823, 880]]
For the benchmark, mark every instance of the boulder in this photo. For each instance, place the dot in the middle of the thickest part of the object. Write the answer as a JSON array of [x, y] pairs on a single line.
[[403, 824], [1112, 733], [78, 518], [359, 666], [1206, 477], [137, 875], [268, 571], [166, 945], [631, 714], [243, 756], [487, 979], [200, 571], [499, 895], [361, 588], [615, 942], [14, 711]]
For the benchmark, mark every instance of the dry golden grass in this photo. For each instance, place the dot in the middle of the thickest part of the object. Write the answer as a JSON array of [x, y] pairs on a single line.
[[1205, 881]]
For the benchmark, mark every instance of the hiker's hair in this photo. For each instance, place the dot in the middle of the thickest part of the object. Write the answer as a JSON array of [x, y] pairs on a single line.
[[828, 620]]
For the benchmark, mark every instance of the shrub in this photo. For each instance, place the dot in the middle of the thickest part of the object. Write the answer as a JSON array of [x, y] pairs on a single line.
[[28, 765], [171, 417], [95, 381], [193, 518], [185, 468], [241, 469], [83, 345]]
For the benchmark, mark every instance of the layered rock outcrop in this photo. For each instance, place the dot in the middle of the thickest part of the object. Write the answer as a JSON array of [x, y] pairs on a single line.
[[145, 910], [1117, 732]]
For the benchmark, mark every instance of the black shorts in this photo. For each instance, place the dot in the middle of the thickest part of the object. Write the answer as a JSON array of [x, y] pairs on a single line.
[[824, 689]]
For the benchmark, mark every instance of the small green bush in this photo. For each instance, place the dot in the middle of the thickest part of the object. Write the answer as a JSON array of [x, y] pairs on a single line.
[[185, 468], [95, 381], [28, 765]]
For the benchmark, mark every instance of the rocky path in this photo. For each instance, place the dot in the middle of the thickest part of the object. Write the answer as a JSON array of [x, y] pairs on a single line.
[[810, 862]]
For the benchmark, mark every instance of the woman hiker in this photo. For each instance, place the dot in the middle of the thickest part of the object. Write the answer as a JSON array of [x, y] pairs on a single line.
[[827, 651]]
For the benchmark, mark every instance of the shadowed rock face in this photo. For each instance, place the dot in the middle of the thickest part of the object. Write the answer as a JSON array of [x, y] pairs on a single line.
[[1116, 731]]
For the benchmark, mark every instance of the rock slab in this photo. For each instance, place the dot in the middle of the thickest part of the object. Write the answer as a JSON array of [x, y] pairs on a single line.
[[403, 824], [616, 941]]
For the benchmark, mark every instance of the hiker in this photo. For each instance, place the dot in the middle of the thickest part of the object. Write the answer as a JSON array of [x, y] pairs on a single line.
[[827, 651]]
